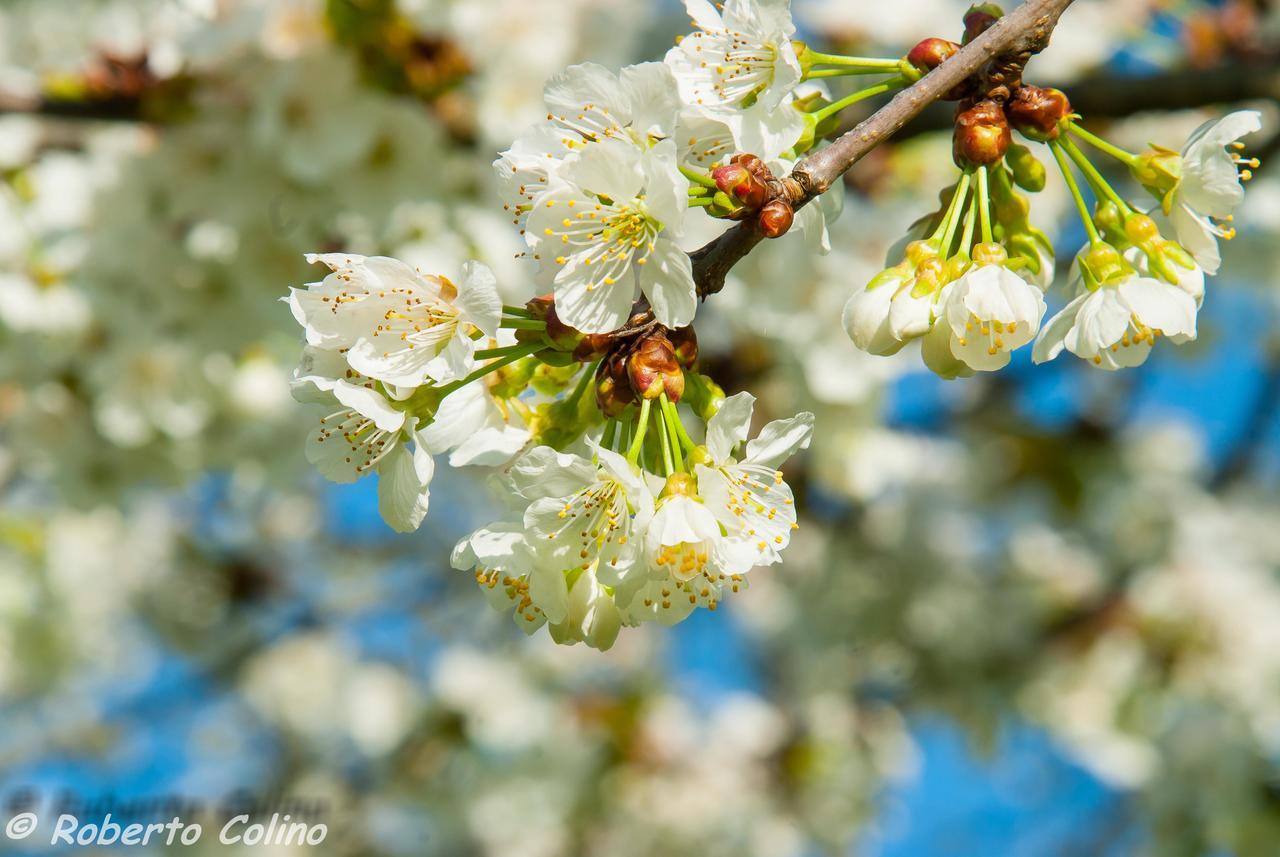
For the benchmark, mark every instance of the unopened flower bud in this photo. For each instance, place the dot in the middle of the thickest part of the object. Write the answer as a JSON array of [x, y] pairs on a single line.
[[930, 53], [743, 179], [685, 342], [1037, 112], [933, 52], [776, 218], [979, 19], [982, 134], [654, 369], [754, 163], [704, 396], [1028, 173], [613, 387]]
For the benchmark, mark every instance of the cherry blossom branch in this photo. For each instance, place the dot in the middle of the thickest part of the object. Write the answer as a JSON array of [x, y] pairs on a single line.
[[1010, 42]]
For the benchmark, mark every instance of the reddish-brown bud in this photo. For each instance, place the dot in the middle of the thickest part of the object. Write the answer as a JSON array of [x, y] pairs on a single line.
[[654, 369], [685, 342], [1037, 112], [592, 347], [776, 218], [982, 134], [933, 52], [739, 182], [613, 387], [758, 168], [979, 19], [930, 53]]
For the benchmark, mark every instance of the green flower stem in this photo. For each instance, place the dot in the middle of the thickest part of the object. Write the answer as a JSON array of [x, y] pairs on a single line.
[[1100, 185], [1126, 158], [664, 440], [697, 177], [970, 225], [835, 107], [871, 64], [847, 72], [1089, 226], [701, 201], [678, 425], [583, 382], [511, 354], [517, 311], [490, 353], [523, 324], [642, 426], [675, 430], [699, 190], [984, 205], [953, 216], [610, 434], [957, 199]]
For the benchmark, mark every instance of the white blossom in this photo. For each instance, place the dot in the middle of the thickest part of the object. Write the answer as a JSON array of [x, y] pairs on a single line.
[[585, 514], [890, 312], [397, 324], [367, 433], [738, 56], [748, 496], [1115, 325], [574, 559], [687, 564], [1209, 188], [991, 312], [587, 104], [372, 430], [606, 228]]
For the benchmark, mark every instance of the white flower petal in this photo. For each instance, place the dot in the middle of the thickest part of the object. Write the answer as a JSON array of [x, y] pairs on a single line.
[[667, 279], [543, 472], [478, 299], [1160, 306], [371, 403], [729, 426], [779, 440], [404, 480]]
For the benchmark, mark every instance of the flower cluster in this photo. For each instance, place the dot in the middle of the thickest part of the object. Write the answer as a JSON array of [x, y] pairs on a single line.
[[635, 493], [970, 283], [597, 542], [643, 524]]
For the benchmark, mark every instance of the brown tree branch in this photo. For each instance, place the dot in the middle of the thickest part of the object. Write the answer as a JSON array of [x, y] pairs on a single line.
[[1021, 33]]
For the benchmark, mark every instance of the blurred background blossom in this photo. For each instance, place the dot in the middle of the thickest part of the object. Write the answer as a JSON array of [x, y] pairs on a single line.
[[1028, 614]]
